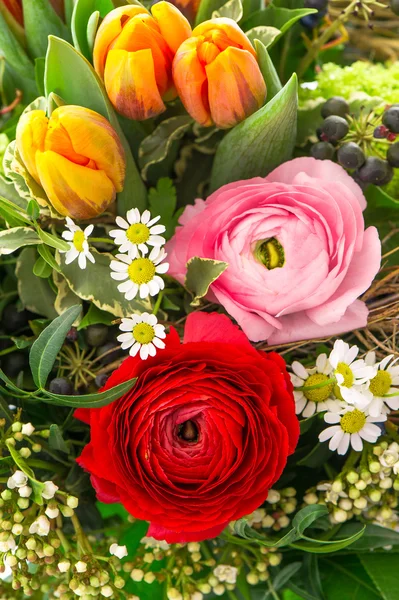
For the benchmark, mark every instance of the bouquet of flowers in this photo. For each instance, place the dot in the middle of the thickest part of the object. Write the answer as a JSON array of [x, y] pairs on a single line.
[[199, 297]]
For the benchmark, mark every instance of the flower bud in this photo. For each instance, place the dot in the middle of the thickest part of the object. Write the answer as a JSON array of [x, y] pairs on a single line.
[[72, 501], [149, 577], [76, 157], [137, 575]]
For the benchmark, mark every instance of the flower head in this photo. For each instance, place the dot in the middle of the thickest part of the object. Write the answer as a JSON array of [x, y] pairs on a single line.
[[137, 232], [350, 426], [143, 334], [350, 373], [41, 526], [381, 387], [226, 573], [78, 244], [49, 490], [309, 401], [17, 480], [118, 551], [27, 429], [141, 274]]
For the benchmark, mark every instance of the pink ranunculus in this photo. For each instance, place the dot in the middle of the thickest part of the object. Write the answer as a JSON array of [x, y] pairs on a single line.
[[297, 252]]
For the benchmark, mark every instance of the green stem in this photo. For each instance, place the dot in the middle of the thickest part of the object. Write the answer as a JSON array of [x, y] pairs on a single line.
[[272, 590], [351, 461], [305, 388], [102, 240], [231, 595], [157, 304]]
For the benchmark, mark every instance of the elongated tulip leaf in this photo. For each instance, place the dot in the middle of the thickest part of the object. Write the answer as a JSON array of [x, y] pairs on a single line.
[[260, 143], [80, 20], [40, 21], [89, 400], [45, 349]]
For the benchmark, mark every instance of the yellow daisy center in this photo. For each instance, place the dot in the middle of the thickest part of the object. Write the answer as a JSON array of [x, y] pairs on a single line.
[[138, 233], [141, 270], [78, 240], [143, 333], [346, 372], [319, 394], [381, 383], [270, 253], [353, 422]]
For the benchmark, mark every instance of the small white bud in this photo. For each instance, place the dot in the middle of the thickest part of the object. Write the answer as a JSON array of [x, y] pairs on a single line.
[[17, 529], [273, 497], [106, 591], [196, 556], [52, 512], [64, 566], [49, 490], [41, 526], [17, 480], [149, 577], [193, 547], [25, 491], [253, 578], [81, 567], [219, 590], [174, 594], [27, 429], [137, 575], [310, 498]]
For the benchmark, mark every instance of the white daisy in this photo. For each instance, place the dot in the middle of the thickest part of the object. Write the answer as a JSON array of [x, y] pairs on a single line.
[[383, 397], [350, 374], [143, 333], [78, 244], [309, 401], [141, 274], [350, 426], [137, 232]]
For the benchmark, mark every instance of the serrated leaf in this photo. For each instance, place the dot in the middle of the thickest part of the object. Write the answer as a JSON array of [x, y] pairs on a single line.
[[56, 441], [41, 268], [155, 147], [45, 349], [162, 202], [17, 237], [260, 143], [40, 21], [201, 273], [35, 293], [89, 400], [37, 486], [267, 35], [232, 10]]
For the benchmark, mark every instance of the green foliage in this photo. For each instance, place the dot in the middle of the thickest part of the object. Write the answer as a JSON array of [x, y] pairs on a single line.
[[272, 80], [276, 16], [56, 440], [40, 21], [81, 19], [233, 9], [201, 273], [95, 400], [35, 293], [17, 237], [94, 316], [383, 571], [162, 202]]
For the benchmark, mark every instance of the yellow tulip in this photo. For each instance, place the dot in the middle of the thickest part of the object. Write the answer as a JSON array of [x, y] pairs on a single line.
[[76, 156], [133, 54]]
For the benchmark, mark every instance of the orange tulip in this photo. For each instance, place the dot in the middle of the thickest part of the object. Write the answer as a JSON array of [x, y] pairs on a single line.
[[189, 8], [75, 156], [133, 54], [217, 75]]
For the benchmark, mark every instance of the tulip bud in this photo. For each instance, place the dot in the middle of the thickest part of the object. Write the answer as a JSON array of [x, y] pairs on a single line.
[[130, 42], [217, 75], [75, 156]]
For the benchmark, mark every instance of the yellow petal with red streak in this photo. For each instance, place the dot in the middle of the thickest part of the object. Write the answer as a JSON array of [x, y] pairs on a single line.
[[229, 28], [31, 131]]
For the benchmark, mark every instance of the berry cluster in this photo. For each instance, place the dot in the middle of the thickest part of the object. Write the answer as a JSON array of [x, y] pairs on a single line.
[[337, 136]]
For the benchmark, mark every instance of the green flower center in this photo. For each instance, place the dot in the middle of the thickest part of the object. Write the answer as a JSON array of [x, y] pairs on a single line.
[[319, 394], [381, 383], [270, 253], [141, 270], [346, 372], [353, 422], [78, 240], [143, 333], [138, 233]]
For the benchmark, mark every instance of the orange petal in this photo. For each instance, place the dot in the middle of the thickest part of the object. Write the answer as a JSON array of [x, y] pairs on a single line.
[[31, 131], [133, 95], [109, 30], [86, 138], [189, 8], [73, 190], [229, 28], [236, 87], [191, 82], [173, 25]]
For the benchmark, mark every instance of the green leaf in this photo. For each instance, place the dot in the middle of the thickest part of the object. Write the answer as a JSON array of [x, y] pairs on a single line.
[[232, 10], [201, 272], [321, 546], [72, 77], [85, 284], [45, 349], [13, 52], [52, 240], [37, 486], [272, 80], [48, 257], [307, 516], [95, 316], [264, 34], [375, 536], [250, 6], [260, 143], [344, 578], [206, 9], [162, 202], [40, 21], [92, 27], [41, 268], [65, 296], [40, 64], [383, 570], [81, 15], [283, 577], [33, 209], [56, 441], [155, 147], [89, 400], [275, 16], [35, 293], [17, 237], [16, 172], [317, 456]]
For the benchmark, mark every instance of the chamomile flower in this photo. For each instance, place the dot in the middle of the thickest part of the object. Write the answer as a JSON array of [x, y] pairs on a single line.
[[350, 426], [380, 388], [137, 232], [319, 399], [141, 274], [78, 244], [350, 374], [142, 334]]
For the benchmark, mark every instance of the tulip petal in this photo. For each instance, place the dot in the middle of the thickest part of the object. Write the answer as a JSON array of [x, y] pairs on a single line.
[[191, 82], [134, 96], [74, 190], [173, 26], [231, 30], [109, 30], [31, 131], [236, 88]]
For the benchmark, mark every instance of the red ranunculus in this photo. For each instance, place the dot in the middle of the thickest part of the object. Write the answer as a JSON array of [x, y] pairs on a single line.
[[202, 436]]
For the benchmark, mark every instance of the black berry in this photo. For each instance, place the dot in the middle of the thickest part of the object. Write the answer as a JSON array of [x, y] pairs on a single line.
[[96, 335], [351, 156], [336, 105], [72, 335], [14, 319], [393, 155], [335, 128], [380, 132], [376, 171], [101, 380], [106, 350], [322, 151], [390, 118], [61, 385], [310, 21]]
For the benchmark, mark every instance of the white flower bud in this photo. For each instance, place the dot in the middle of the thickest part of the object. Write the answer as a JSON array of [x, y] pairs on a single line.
[[196, 596], [174, 594], [273, 497], [41, 526], [137, 575], [340, 516], [27, 429], [52, 512], [49, 490], [268, 521], [17, 529], [345, 504], [23, 503], [81, 567], [64, 566], [11, 560], [72, 502], [149, 577], [219, 590], [226, 573], [118, 551], [25, 452], [336, 486], [25, 491], [196, 556], [352, 477], [193, 547], [360, 503], [106, 591], [31, 543], [17, 480], [253, 578], [386, 484], [275, 559], [310, 498], [205, 588]]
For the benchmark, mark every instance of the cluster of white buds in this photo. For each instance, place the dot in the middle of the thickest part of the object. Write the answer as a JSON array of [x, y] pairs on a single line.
[[275, 514]]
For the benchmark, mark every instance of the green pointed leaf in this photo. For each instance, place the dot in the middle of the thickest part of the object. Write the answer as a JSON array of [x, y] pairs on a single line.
[[344, 578], [206, 9], [33, 209], [56, 441], [374, 537], [276, 16], [162, 202], [45, 349], [48, 257], [35, 293], [40, 21], [321, 546], [307, 516], [282, 578], [94, 316], [72, 77], [81, 16], [383, 570], [92, 27], [260, 143], [13, 52], [89, 400], [272, 80], [201, 272], [41, 268], [52, 240], [232, 10], [267, 35], [37, 486], [17, 237]]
